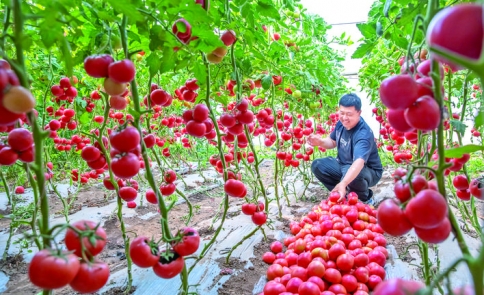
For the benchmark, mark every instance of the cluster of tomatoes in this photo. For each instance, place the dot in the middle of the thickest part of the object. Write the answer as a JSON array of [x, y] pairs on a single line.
[[115, 73], [20, 146], [198, 123], [217, 55], [15, 100], [338, 248], [258, 216], [187, 92], [465, 190], [77, 266], [411, 98], [166, 263], [64, 91]]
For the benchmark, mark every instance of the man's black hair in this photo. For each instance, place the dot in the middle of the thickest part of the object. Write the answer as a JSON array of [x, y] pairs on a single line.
[[350, 100]]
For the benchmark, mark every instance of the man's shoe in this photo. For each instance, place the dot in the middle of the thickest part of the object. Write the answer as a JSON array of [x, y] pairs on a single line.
[[371, 200]]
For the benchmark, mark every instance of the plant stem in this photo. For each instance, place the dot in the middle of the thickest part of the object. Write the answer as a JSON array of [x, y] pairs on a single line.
[[227, 259], [7, 189], [222, 158]]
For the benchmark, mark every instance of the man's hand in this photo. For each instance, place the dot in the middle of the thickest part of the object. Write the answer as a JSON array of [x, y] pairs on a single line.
[[341, 189], [314, 140]]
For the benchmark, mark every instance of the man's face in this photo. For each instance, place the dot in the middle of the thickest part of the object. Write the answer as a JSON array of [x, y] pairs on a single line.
[[349, 116]]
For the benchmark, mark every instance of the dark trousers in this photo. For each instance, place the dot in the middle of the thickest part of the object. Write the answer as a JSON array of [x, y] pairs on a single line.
[[330, 172]]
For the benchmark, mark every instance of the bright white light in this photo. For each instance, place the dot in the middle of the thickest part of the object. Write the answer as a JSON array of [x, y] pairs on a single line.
[[341, 11]]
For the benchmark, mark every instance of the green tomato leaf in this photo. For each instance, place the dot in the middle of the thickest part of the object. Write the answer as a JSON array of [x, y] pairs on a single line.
[[368, 30], [363, 50], [458, 126], [266, 8], [200, 72], [66, 52], [400, 42], [466, 149], [154, 63], [85, 118], [266, 82], [127, 8], [168, 60]]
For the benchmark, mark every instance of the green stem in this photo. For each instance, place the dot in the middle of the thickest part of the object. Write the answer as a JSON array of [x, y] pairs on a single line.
[[425, 261], [7, 189], [441, 151], [6, 24], [435, 282], [227, 259], [38, 134], [222, 158]]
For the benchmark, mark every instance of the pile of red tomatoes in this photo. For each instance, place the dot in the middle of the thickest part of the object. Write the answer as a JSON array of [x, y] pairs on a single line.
[[337, 248]]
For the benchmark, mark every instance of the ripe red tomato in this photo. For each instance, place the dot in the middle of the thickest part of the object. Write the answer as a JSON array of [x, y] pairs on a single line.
[[398, 92], [228, 37], [170, 176], [394, 117], [269, 257], [200, 113], [234, 188], [318, 281], [151, 197], [377, 256], [20, 139], [96, 66], [335, 251], [392, 219], [168, 189], [293, 284], [125, 140], [50, 271], [249, 208], [373, 281], [144, 252], [259, 218], [426, 201], [315, 268], [190, 241], [458, 29], [274, 288], [276, 247], [169, 265], [332, 275], [8, 156], [309, 288], [274, 271], [122, 71], [362, 274], [423, 114], [73, 242], [334, 196], [464, 195], [345, 262], [460, 182], [91, 277], [435, 235], [160, 97], [476, 188], [128, 193], [126, 166], [398, 286]]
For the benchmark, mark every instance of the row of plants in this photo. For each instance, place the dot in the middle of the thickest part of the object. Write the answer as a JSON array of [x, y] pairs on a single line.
[[118, 92]]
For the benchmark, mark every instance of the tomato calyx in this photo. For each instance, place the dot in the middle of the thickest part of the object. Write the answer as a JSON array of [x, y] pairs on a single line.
[[168, 256], [91, 236]]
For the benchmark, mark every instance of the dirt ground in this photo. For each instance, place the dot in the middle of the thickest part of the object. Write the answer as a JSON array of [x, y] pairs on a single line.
[[204, 206]]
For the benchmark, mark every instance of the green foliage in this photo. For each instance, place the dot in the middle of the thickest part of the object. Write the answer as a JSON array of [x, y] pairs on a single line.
[[474, 166]]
